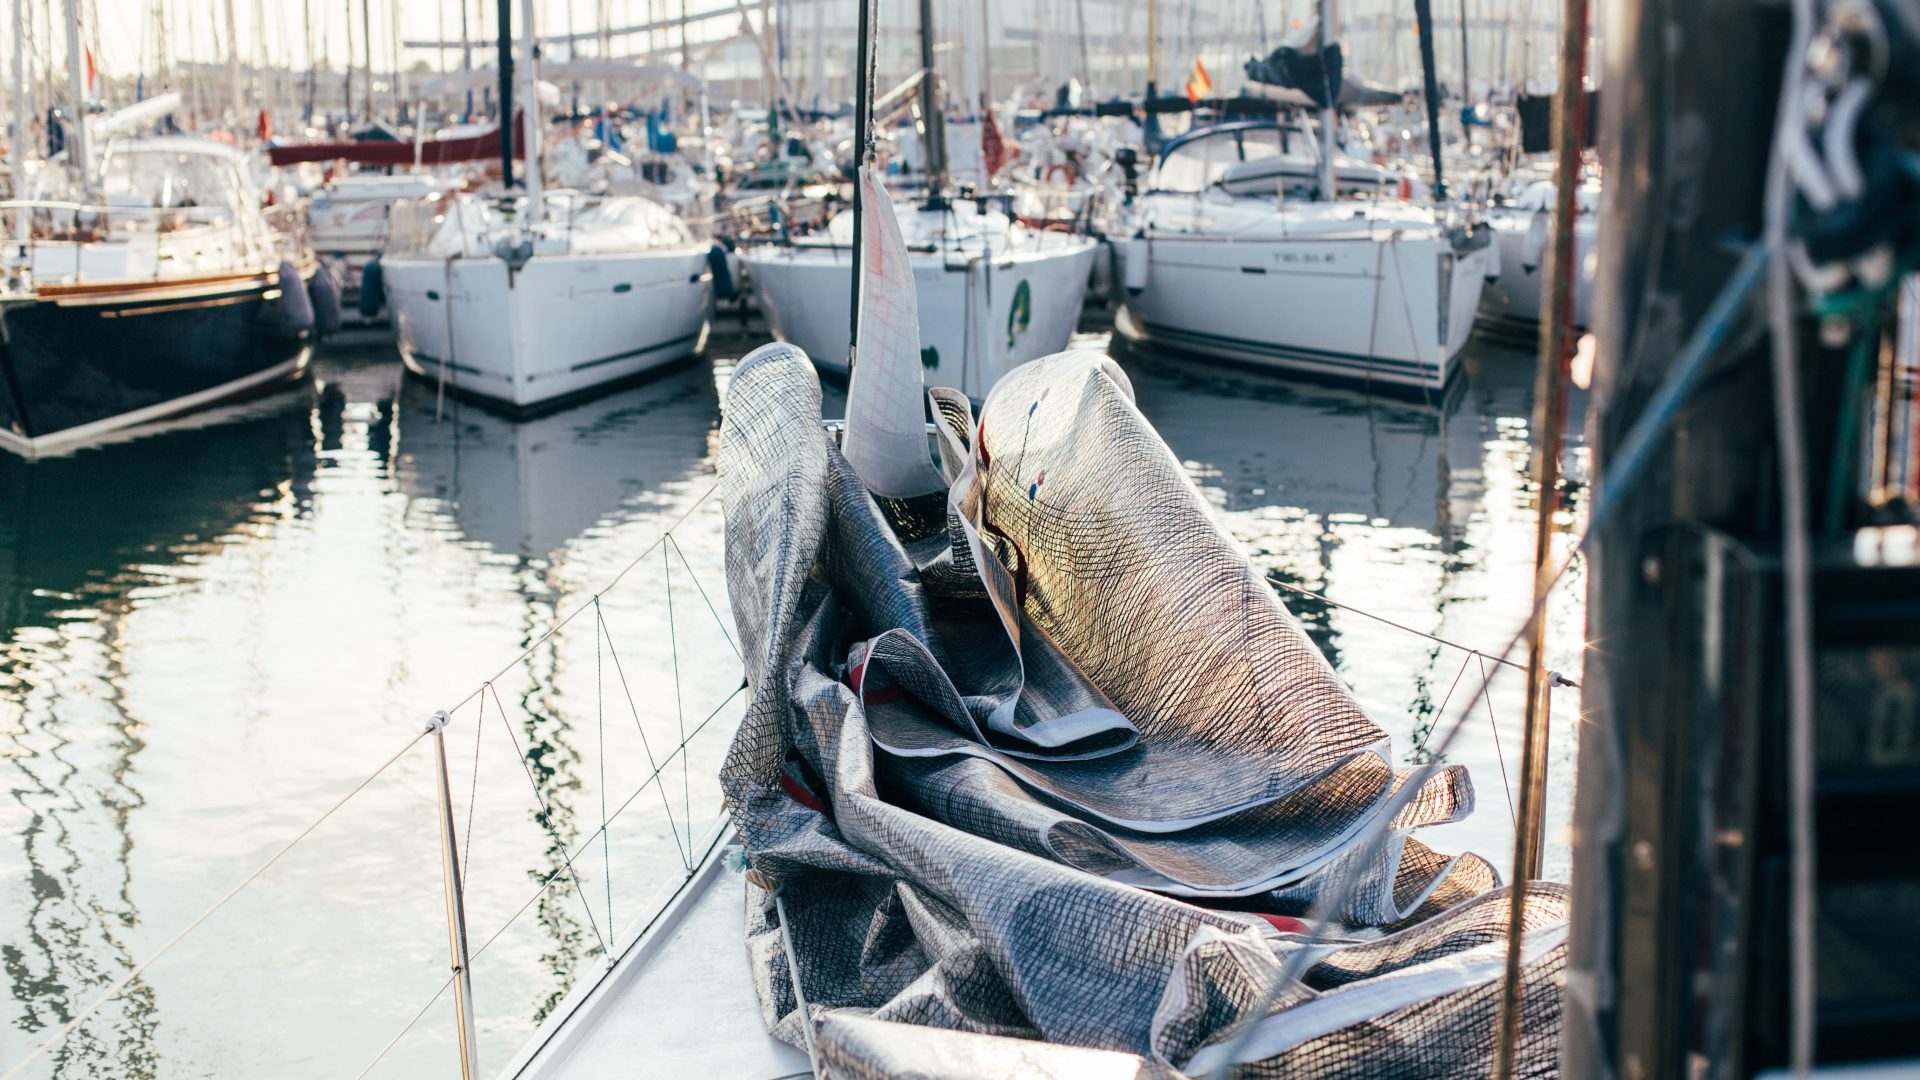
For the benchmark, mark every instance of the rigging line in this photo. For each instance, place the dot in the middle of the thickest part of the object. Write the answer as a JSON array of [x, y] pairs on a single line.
[[473, 791], [679, 710], [600, 724], [1451, 687], [402, 1033], [607, 588], [546, 822], [724, 632], [1499, 752], [615, 816], [1636, 449], [137, 970], [646, 744], [1323, 598]]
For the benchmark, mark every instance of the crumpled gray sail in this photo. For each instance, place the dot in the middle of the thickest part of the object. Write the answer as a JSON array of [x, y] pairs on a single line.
[[1062, 767]]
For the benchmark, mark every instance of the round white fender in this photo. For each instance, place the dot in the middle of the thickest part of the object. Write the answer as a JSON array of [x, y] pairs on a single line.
[[1139, 250], [1535, 252]]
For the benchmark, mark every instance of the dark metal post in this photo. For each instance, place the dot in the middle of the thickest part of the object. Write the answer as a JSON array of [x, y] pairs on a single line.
[[1674, 695], [931, 109], [862, 154], [1423, 16], [504, 14]]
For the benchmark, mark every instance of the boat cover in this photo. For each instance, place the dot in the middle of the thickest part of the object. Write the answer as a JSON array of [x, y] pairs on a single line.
[[1037, 757]]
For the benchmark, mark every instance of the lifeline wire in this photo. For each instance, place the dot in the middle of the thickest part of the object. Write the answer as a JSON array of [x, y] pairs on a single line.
[[608, 587], [546, 822]]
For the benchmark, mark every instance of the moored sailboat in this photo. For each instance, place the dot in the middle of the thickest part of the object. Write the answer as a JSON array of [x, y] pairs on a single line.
[[528, 298], [993, 293], [145, 288], [1380, 292], [1225, 261]]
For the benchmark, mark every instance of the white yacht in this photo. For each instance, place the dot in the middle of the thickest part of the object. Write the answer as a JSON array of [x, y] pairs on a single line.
[[993, 293], [528, 298], [1377, 291], [528, 309], [1521, 228]]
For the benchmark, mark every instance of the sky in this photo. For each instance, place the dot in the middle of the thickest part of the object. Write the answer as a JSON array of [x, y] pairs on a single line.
[[280, 32]]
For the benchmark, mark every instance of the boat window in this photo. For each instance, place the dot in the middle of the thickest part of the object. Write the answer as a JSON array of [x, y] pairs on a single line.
[[1256, 143], [169, 180], [1197, 165]]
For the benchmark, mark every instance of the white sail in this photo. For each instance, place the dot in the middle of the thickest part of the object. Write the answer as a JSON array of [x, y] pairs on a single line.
[[886, 439]]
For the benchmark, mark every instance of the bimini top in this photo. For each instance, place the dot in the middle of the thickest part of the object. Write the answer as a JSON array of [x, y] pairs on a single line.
[[1200, 158]]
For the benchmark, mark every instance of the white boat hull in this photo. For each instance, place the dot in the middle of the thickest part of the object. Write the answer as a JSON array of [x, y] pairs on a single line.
[[979, 319], [1516, 294], [559, 327], [1382, 310]]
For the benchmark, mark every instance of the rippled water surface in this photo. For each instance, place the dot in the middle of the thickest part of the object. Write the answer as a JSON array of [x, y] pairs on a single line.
[[209, 636]]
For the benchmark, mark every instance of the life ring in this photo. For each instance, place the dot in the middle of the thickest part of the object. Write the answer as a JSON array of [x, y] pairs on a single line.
[[1063, 168]]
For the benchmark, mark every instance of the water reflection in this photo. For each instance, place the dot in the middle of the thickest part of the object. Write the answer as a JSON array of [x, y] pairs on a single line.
[[531, 492], [527, 489], [83, 541]]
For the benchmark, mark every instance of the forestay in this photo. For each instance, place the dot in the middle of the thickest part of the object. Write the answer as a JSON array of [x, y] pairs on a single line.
[[1037, 755]]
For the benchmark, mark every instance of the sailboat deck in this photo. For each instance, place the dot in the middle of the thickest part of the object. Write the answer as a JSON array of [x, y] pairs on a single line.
[[679, 1003]]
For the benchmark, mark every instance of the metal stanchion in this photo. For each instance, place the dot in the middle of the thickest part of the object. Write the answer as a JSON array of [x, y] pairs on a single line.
[[456, 907]]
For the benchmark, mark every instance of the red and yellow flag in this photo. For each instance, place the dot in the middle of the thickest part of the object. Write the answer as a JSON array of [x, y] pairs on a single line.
[[1198, 85]]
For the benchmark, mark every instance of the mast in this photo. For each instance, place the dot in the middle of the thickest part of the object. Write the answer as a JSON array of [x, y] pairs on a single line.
[[862, 158], [986, 55], [1466, 57], [930, 108], [1423, 14], [1153, 48], [532, 111], [313, 62], [17, 146], [503, 17], [466, 59], [77, 151], [1330, 116], [346, 70], [399, 62], [236, 108], [366, 56]]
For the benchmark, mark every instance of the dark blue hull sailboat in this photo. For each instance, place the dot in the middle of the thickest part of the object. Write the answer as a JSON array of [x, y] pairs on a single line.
[[79, 362], [151, 286]]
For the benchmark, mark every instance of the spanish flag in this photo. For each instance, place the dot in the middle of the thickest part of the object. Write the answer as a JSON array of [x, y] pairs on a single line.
[[1198, 85]]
